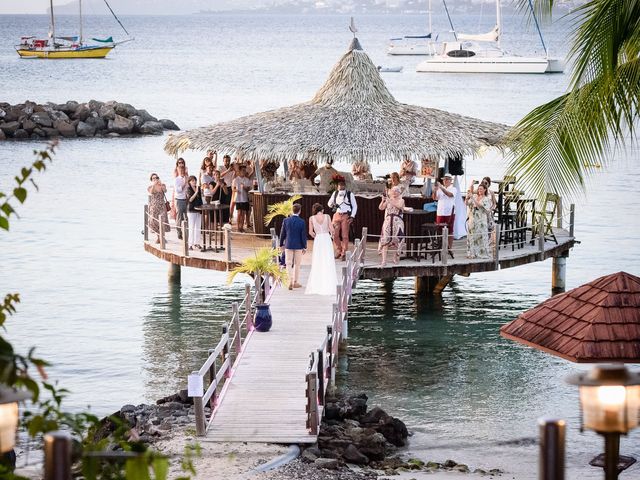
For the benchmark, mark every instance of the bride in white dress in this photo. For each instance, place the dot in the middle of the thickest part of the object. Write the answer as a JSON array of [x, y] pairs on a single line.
[[322, 278]]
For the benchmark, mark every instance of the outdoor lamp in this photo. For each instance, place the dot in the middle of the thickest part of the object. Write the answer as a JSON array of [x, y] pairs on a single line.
[[9, 399], [610, 405]]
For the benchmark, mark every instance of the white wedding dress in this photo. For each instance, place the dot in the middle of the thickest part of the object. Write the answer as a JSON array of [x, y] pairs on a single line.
[[322, 278]]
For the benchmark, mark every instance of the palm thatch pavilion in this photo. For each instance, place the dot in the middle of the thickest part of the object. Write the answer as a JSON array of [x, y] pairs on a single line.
[[352, 117]]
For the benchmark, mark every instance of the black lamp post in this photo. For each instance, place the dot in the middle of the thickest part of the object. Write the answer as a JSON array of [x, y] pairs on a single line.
[[610, 405]]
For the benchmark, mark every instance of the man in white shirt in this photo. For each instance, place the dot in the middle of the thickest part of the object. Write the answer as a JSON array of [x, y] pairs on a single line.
[[445, 195], [344, 203], [180, 188], [241, 187]]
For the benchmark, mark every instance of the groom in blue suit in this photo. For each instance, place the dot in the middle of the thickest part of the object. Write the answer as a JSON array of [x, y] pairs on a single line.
[[293, 236]]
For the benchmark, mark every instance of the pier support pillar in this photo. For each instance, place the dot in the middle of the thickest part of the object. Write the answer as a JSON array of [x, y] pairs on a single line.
[[174, 273], [558, 274], [431, 285]]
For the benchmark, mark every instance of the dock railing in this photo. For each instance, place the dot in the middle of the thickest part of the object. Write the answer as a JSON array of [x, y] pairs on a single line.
[[207, 385], [323, 362]]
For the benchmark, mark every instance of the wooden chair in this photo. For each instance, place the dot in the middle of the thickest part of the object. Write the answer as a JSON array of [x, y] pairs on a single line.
[[431, 242], [546, 215]]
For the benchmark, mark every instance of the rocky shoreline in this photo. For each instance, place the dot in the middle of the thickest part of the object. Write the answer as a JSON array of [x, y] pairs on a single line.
[[354, 443], [30, 120]]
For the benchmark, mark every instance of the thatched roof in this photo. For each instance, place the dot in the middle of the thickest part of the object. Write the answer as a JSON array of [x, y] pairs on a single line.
[[353, 116]]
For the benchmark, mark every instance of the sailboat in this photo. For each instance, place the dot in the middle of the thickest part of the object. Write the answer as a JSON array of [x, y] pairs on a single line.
[[413, 44], [56, 47], [483, 53]]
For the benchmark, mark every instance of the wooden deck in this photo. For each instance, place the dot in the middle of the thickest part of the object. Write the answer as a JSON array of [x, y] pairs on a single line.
[[265, 398]]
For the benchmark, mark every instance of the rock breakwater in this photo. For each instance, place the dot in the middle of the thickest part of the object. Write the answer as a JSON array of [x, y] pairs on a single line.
[[30, 120]]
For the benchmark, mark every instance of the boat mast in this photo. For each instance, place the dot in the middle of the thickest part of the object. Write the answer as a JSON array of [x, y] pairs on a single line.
[[80, 8], [499, 20], [430, 26], [52, 31]]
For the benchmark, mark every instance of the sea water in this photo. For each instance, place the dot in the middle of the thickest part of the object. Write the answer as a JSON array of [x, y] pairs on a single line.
[[98, 307]]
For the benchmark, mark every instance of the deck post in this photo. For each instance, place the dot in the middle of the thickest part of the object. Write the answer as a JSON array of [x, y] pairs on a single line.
[[196, 391], [332, 356], [174, 273], [213, 371], [185, 238], [227, 243], [247, 307], [274, 238], [572, 219], [146, 223], [312, 402], [321, 376], [559, 213], [226, 350], [541, 227], [363, 240], [558, 274], [346, 290], [161, 232], [235, 318], [496, 247], [552, 446], [58, 446], [445, 245]]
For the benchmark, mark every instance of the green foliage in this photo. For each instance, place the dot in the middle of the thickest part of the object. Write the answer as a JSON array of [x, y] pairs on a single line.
[[264, 262], [280, 209], [559, 144]]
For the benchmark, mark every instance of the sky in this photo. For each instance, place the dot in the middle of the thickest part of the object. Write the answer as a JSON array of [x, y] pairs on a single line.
[[121, 6]]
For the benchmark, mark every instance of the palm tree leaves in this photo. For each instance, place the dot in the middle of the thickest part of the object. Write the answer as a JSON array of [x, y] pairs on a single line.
[[280, 209], [556, 146], [263, 262]]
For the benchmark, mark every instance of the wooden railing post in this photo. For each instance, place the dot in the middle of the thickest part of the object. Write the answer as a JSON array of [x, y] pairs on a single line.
[[320, 371], [572, 219], [541, 228], [496, 246], [559, 213], [226, 350], [58, 446], [227, 243], [445, 245], [195, 389], [274, 238], [213, 371], [161, 232], [146, 223], [235, 318], [363, 241], [248, 308], [332, 359], [312, 403], [185, 238]]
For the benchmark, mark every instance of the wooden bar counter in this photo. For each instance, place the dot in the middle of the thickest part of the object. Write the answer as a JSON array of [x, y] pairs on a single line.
[[368, 214]]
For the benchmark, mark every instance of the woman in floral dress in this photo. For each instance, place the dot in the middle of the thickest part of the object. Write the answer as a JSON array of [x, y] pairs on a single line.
[[392, 234], [477, 222], [157, 205]]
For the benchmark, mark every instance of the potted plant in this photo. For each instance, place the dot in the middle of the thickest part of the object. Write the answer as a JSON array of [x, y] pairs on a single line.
[[262, 263]]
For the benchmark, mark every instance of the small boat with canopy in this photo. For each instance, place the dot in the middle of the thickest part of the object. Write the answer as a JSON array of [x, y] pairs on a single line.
[[75, 46]]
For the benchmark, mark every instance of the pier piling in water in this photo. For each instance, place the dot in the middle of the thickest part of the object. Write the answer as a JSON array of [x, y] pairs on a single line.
[[174, 273], [558, 274], [431, 285]]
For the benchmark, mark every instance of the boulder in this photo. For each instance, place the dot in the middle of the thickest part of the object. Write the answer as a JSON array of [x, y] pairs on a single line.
[[59, 115], [42, 118], [81, 113], [125, 109], [65, 128], [352, 455], [328, 463], [146, 116], [308, 456], [69, 107], [373, 446], [107, 112], [9, 128], [120, 125], [2, 113], [113, 134], [39, 132], [85, 130], [38, 108], [34, 136], [168, 124], [138, 121], [97, 122], [51, 132], [21, 134], [94, 105], [12, 114], [153, 128], [28, 125], [2, 135], [28, 108]]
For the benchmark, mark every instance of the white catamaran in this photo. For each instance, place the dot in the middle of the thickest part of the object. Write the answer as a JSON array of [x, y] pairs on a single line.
[[55, 47], [483, 53]]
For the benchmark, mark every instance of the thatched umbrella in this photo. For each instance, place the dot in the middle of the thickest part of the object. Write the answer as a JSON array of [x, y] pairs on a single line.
[[352, 117], [597, 322]]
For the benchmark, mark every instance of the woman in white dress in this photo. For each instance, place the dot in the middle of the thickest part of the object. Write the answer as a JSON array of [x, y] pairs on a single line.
[[322, 278]]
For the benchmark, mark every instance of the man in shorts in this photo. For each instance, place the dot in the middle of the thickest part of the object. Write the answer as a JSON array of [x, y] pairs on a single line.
[[241, 187], [445, 194]]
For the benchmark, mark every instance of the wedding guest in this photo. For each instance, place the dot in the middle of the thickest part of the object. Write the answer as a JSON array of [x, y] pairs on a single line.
[[408, 171], [360, 171], [221, 192], [228, 173], [345, 206], [206, 177], [309, 168], [241, 187], [392, 234], [180, 194], [157, 205], [479, 205], [207, 162], [194, 200], [445, 194], [326, 174], [295, 170]]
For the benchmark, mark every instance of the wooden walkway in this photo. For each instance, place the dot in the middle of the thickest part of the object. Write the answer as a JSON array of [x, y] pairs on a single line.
[[265, 399]]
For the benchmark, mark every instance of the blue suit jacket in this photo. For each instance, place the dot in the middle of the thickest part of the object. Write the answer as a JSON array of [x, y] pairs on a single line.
[[293, 234]]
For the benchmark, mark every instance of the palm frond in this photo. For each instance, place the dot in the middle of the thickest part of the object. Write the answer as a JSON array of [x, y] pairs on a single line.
[[280, 209], [263, 262]]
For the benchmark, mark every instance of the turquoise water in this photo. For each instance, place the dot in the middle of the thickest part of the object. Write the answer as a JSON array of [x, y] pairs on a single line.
[[99, 307]]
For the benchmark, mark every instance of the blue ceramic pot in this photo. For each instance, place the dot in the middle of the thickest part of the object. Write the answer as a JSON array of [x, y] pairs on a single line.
[[263, 317]]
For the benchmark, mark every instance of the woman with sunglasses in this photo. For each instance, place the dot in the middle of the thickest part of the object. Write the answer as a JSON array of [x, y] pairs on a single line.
[[157, 205]]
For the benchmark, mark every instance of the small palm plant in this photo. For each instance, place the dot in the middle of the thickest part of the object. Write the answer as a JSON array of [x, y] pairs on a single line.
[[263, 262], [281, 208]]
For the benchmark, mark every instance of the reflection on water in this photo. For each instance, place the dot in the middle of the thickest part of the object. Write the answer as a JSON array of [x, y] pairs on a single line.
[[179, 329]]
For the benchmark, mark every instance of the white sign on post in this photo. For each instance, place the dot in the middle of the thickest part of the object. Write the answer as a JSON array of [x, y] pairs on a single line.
[[195, 385]]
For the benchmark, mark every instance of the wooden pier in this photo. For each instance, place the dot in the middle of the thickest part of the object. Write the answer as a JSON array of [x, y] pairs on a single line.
[[270, 387]]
